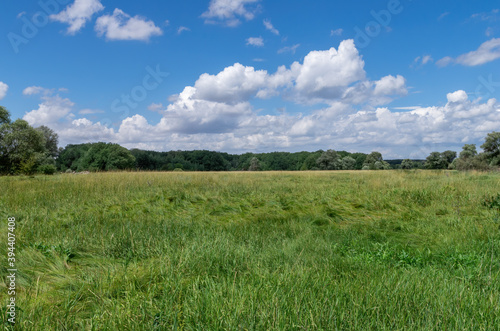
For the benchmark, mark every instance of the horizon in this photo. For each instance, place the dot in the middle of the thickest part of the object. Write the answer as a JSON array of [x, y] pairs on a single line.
[[404, 78]]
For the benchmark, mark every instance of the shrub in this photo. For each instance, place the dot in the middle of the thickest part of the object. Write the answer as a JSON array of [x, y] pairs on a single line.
[[47, 169]]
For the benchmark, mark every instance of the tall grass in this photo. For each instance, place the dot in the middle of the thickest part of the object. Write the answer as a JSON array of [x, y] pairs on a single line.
[[287, 251]]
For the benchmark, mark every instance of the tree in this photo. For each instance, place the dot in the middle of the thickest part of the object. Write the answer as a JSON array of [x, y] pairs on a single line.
[[407, 164], [434, 161], [329, 160], [374, 161], [438, 160], [51, 140], [448, 157], [4, 116], [468, 151], [107, 156], [348, 163], [491, 148], [22, 148], [470, 160], [254, 164]]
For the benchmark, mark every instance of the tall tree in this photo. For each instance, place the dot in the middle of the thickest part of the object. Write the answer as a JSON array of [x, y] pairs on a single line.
[[51, 140], [468, 151], [329, 160], [491, 148], [22, 148], [4, 116]]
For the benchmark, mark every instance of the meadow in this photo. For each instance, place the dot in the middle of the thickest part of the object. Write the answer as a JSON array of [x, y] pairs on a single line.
[[365, 250]]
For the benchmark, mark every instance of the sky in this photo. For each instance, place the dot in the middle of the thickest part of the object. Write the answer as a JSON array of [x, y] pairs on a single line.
[[402, 77]]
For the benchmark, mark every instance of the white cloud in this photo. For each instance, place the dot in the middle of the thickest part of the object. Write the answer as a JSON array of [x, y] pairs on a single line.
[[88, 111], [444, 61], [487, 52], [255, 41], [337, 32], [234, 84], [216, 113], [421, 61], [492, 16], [52, 109], [32, 90], [269, 26], [182, 29], [77, 14], [289, 49], [156, 107], [323, 73], [121, 26], [229, 12], [3, 90]]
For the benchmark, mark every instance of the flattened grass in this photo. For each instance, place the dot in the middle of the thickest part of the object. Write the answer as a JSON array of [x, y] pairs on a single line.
[[305, 250]]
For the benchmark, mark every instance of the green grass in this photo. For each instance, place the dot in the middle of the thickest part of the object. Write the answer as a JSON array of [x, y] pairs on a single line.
[[382, 250]]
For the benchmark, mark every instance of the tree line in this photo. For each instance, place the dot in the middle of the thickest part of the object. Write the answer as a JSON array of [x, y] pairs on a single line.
[[28, 150]]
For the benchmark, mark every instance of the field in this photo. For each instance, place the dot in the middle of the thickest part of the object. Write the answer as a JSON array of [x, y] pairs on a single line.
[[388, 250]]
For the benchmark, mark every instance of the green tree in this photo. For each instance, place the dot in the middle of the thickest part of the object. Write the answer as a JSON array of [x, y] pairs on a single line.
[[468, 151], [374, 161], [4, 116], [51, 140], [491, 148], [254, 164], [407, 164], [329, 160], [107, 156], [22, 148], [348, 163], [469, 159]]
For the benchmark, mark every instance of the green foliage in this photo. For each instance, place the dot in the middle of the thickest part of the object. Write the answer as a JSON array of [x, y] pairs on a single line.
[[374, 161], [105, 157], [329, 160], [348, 163], [491, 148], [254, 164], [468, 151], [407, 164], [47, 169], [4, 116], [438, 160], [51, 140], [22, 148]]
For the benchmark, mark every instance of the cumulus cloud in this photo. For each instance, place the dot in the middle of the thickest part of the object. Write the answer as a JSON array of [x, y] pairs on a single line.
[[229, 12], [234, 84], [488, 51], [50, 111], [121, 26], [324, 73], [3, 90], [216, 113], [269, 26], [255, 41], [77, 14]]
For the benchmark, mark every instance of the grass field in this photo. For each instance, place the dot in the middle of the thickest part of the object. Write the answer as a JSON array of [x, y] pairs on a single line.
[[386, 250]]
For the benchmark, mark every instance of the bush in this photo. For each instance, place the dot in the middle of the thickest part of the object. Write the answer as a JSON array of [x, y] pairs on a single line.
[[47, 169]]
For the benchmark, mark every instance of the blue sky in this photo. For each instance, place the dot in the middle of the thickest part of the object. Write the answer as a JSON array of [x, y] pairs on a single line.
[[401, 77]]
